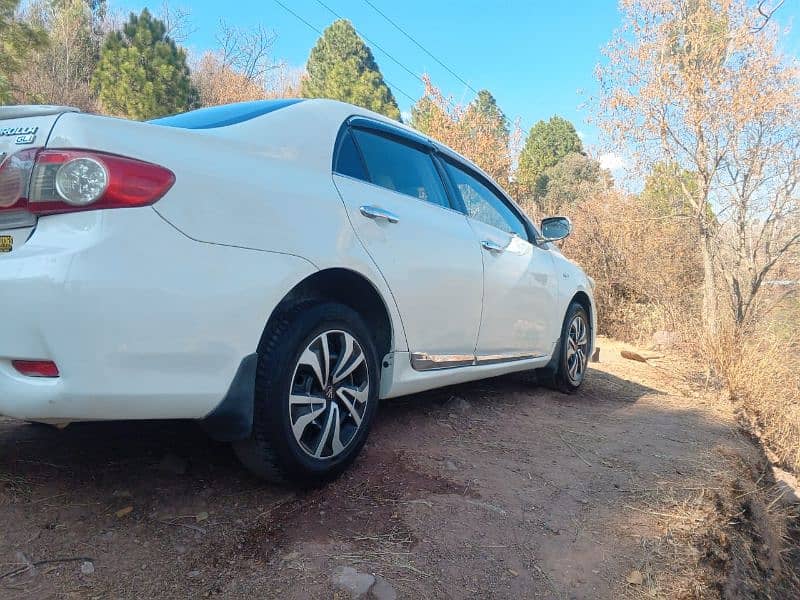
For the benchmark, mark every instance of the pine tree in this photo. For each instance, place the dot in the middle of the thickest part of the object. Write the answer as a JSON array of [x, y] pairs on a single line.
[[142, 73], [486, 106], [341, 66], [547, 143]]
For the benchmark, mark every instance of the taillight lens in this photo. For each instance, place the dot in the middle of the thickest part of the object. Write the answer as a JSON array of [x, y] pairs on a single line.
[[36, 368], [46, 181]]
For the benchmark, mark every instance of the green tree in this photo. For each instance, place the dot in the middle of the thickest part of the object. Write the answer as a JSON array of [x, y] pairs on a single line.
[[547, 143], [486, 106], [664, 189], [17, 40], [142, 73], [572, 180], [341, 66], [424, 113]]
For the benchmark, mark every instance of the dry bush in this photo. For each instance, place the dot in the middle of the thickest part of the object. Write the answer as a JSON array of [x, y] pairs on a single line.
[[757, 367], [647, 273], [469, 132]]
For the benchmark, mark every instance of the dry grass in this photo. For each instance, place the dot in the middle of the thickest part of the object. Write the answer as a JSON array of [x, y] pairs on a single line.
[[648, 279], [759, 371], [731, 542]]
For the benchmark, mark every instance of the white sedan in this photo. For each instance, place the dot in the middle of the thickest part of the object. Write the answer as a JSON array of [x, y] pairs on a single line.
[[270, 268]]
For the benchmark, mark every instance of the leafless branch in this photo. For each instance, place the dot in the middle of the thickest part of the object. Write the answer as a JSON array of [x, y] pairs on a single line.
[[177, 21]]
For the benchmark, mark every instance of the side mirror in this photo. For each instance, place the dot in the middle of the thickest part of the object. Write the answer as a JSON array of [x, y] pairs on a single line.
[[555, 228]]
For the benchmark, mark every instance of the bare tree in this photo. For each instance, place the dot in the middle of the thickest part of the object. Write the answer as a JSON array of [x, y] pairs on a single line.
[[691, 84], [178, 21], [242, 68], [60, 72], [247, 51]]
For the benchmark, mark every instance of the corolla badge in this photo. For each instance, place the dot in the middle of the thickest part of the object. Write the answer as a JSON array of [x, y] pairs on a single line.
[[23, 135]]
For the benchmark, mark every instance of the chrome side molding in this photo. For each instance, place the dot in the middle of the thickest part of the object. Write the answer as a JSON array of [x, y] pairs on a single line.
[[422, 361], [490, 359]]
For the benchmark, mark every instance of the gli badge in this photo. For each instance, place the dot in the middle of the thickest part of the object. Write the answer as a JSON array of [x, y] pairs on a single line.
[[6, 243]]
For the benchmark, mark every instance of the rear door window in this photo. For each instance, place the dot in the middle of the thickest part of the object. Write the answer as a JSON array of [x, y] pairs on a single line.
[[401, 167], [348, 158]]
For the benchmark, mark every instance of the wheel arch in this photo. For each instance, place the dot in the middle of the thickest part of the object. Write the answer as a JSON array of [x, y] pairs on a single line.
[[585, 301], [232, 419], [349, 288]]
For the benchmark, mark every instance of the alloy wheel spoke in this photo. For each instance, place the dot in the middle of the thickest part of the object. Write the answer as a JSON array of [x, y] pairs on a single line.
[[348, 362], [327, 430], [326, 358], [359, 394], [299, 426], [305, 400], [336, 440], [310, 359], [349, 406]]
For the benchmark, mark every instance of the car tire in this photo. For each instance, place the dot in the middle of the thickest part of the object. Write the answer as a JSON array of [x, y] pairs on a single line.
[[567, 369], [313, 408]]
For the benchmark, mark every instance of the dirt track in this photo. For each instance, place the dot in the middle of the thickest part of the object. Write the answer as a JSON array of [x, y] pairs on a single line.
[[494, 489]]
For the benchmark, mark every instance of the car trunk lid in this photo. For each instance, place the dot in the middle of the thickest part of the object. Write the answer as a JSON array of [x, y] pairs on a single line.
[[22, 128]]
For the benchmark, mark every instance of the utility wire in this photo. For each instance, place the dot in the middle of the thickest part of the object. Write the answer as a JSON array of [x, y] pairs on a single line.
[[420, 46], [302, 20], [428, 52], [372, 43]]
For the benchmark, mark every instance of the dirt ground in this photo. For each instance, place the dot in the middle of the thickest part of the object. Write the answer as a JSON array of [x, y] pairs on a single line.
[[640, 486]]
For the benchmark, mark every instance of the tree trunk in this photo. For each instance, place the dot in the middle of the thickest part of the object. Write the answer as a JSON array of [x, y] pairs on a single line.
[[709, 315]]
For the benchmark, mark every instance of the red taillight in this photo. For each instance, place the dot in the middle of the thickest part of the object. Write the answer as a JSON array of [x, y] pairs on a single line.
[[46, 181], [36, 368]]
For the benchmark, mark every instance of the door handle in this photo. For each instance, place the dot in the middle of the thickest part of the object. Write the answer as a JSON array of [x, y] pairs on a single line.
[[379, 214], [491, 246]]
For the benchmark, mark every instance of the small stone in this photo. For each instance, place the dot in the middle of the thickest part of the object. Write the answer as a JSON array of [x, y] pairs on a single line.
[[450, 466], [124, 512], [351, 581], [107, 536], [461, 405], [87, 567], [172, 463], [193, 574], [291, 556], [663, 340], [635, 578], [201, 516], [383, 590]]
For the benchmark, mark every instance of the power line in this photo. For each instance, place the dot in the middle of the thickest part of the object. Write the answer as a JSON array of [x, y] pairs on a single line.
[[372, 43], [420, 46], [302, 20], [429, 53]]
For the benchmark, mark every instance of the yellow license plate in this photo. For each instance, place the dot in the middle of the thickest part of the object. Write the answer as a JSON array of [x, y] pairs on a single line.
[[6, 243]]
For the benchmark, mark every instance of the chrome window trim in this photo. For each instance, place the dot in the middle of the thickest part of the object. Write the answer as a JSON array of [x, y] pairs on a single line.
[[380, 187]]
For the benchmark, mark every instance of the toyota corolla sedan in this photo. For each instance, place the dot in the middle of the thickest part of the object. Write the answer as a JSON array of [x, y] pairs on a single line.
[[272, 269]]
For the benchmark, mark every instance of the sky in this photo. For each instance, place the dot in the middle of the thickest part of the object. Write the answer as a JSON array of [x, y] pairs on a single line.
[[536, 57]]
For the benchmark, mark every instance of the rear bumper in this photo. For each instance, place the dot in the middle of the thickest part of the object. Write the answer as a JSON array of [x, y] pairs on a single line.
[[143, 322]]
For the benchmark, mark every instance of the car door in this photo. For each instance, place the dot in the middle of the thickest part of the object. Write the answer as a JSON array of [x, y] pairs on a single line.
[[519, 299], [400, 209]]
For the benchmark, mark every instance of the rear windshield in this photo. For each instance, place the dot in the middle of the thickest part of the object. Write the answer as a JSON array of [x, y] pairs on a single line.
[[222, 116]]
